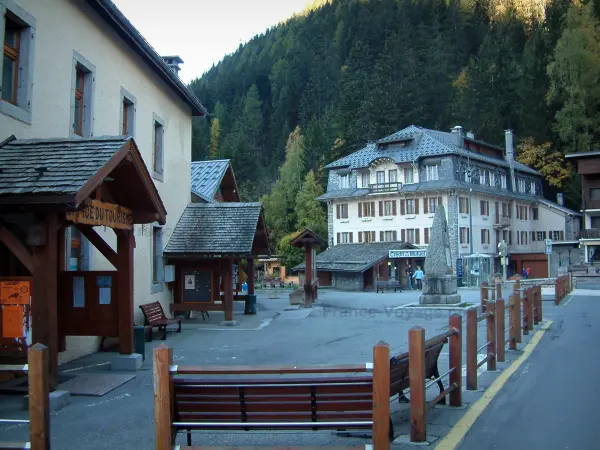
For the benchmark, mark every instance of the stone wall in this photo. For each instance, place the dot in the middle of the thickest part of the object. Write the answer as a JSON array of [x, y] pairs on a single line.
[[452, 216], [348, 281], [330, 240]]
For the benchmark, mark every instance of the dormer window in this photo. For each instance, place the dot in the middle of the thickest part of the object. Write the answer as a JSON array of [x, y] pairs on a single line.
[[343, 181], [393, 176], [365, 180], [432, 172], [380, 177], [503, 181], [408, 175]]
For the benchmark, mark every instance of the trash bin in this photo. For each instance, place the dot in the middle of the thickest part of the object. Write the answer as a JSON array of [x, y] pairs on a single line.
[[250, 306], [139, 341]]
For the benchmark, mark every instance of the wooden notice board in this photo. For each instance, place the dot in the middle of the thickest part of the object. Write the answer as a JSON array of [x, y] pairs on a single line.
[[100, 213], [197, 285]]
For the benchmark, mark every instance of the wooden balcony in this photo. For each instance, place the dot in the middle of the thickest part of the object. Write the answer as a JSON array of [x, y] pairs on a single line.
[[381, 188], [502, 222]]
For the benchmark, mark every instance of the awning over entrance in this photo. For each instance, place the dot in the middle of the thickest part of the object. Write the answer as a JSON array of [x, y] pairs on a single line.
[[47, 185]]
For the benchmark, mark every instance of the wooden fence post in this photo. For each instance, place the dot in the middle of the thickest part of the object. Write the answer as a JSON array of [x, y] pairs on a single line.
[[39, 408], [483, 293], [540, 307], [455, 345], [526, 301], [381, 395], [517, 286], [536, 304], [491, 336], [518, 318], [471, 349], [557, 291], [416, 376], [498, 290], [162, 399], [514, 325], [531, 297], [500, 331]]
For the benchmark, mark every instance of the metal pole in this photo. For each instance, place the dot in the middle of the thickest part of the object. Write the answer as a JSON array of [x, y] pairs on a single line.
[[549, 266]]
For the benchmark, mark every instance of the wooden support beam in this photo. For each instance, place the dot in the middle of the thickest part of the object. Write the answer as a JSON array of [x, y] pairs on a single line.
[[39, 408], [44, 307], [251, 275], [381, 396], [228, 289], [17, 247], [540, 307], [125, 246], [162, 398], [472, 349], [455, 348], [416, 376], [100, 244], [62, 266], [308, 273]]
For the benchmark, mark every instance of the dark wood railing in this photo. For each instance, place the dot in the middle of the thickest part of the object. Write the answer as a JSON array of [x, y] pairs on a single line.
[[385, 187], [590, 233]]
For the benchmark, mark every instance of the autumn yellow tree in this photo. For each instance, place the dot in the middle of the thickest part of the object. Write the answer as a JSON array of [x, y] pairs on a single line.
[[546, 160]]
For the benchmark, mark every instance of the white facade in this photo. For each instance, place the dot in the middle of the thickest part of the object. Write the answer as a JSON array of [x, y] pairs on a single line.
[[67, 33]]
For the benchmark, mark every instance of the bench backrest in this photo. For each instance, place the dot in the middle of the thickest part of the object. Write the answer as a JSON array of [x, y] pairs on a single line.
[[399, 366], [291, 399], [153, 313]]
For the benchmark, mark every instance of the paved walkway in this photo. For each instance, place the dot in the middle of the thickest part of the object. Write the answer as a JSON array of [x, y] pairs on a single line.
[[550, 402]]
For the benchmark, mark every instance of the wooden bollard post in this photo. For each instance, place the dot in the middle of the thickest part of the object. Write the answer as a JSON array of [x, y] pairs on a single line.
[[517, 286], [518, 318], [472, 349], [498, 290], [530, 295], [162, 398], [512, 345], [381, 395], [536, 305], [540, 307], [455, 346], [500, 331], [526, 318], [557, 291], [416, 376], [570, 282], [39, 407], [484, 295], [491, 336]]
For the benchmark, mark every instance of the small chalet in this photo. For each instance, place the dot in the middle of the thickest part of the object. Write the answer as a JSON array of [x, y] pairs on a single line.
[[215, 242]]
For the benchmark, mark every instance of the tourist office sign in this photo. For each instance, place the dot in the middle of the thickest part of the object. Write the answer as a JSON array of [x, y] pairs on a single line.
[[416, 253], [99, 213]]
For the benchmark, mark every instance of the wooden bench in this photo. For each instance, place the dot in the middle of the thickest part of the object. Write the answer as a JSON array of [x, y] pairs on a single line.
[[399, 368], [154, 317], [325, 397], [388, 284]]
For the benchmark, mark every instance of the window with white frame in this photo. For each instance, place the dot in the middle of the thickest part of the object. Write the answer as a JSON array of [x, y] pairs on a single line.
[[389, 236], [556, 235], [463, 205], [485, 207], [485, 237], [343, 181], [520, 185], [17, 29], [503, 181], [364, 180], [158, 270], [82, 97], [345, 239], [464, 235], [341, 211], [535, 213], [127, 124], [432, 203], [432, 172], [158, 142], [380, 177], [393, 176], [540, 236], [389, 208], [408, 175], [410, 235], [410, 206]]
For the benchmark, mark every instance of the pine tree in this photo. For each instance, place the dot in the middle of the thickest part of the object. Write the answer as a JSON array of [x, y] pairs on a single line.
[[309, 210]]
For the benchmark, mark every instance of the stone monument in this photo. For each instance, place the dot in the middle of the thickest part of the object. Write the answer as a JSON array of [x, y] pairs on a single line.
[[439, 284]]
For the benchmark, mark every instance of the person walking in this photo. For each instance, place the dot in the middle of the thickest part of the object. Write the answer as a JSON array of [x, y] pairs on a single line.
[[419, 278], [409, 276]]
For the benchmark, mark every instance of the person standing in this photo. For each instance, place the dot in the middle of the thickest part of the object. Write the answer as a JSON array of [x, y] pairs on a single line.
[[419, 278], [409, 275]]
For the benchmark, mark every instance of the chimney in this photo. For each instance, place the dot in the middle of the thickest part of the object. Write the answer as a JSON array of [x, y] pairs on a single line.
[[470, 135], [560, 199], [510, 149], [173, 63], [457, 136]]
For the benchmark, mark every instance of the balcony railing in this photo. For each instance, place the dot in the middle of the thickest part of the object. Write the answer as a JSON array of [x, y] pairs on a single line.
[[502, 222], [590, 233], [384, 187]]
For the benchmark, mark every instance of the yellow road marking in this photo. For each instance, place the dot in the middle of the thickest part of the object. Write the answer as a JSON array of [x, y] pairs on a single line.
[[458, 432]]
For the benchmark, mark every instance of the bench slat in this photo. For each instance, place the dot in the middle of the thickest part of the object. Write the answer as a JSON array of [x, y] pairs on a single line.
[[275, 417], [265, 370], [290, 406], [273, 398], [271, 425], [361, 447], [279, 390], [238, 381]]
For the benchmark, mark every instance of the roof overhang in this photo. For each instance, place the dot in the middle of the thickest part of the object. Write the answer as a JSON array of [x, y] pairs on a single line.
[[308, 238]]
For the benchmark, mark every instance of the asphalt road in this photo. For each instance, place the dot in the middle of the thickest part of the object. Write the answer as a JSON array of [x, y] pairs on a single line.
[[551, 401]]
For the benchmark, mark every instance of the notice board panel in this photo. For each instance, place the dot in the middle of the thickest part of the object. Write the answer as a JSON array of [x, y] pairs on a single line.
[[197, 285]]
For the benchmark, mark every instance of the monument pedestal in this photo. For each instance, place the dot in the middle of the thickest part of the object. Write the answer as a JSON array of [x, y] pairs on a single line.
[[440, 290]]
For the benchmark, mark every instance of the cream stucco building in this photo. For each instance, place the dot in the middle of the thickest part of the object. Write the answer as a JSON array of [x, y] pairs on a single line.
[[79, 68]]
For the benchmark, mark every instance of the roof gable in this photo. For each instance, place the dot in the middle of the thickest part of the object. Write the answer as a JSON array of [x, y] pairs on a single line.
[[209, 178], [219, 229]]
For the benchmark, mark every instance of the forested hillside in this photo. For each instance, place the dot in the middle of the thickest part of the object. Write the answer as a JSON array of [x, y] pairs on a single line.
[[348, 71]]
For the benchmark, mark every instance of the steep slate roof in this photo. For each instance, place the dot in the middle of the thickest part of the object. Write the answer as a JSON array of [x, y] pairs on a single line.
[[430, 186], [207, 176], [70, 163], [123, 27], [355, 257], [215, 229], [423, 143]]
